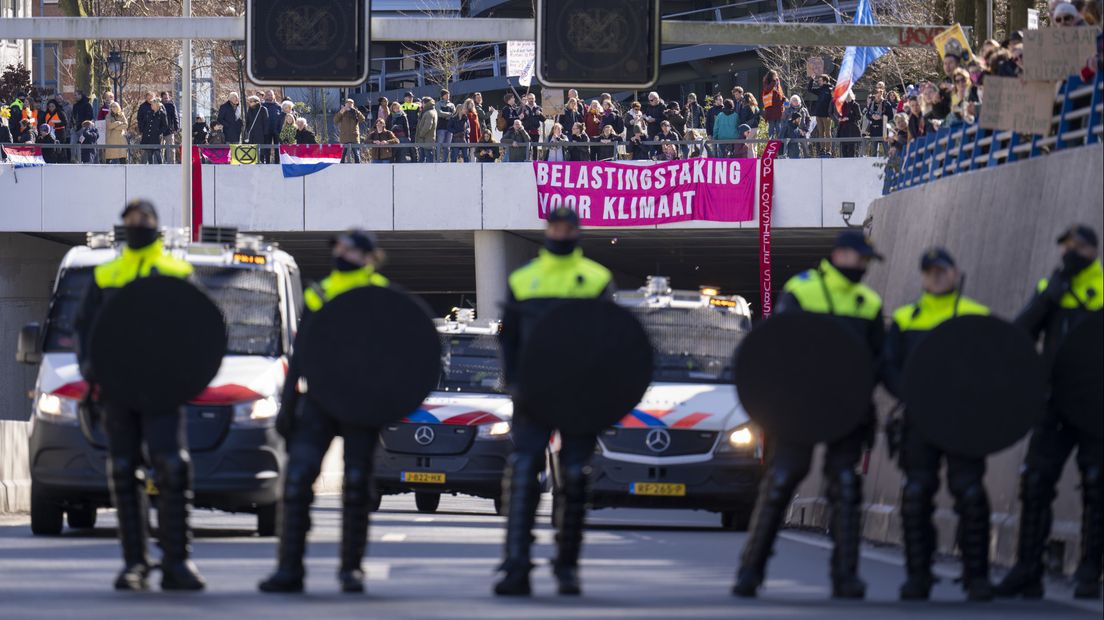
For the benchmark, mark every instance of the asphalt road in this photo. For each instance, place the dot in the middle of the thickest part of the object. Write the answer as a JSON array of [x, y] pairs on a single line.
[[637, 564]]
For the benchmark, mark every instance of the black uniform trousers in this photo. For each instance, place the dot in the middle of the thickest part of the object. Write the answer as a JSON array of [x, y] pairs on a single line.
[[521, 487], [313, 433], [920, 461], [165, 437], [788, 465], [1052, 441]]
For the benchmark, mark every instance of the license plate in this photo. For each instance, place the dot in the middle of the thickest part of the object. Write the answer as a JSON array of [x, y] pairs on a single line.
[[666, 489], [423, 477]]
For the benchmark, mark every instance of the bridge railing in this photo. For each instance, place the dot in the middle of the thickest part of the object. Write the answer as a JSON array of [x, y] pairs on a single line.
[[967, 147]]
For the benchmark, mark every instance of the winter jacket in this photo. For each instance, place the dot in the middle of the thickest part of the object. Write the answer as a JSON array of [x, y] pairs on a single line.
[[348, 125], [116, 134], [656, 112], [305, 136], [172, 115], [791, 134], [568, 119], [275, 118], [516, 153], [88, 135], [774, 102], [580, 147], [532, 119], [230, 121], [724, 127], [607, 146], [157, 126], [556, 150], [399, 124], [750, 117], [82, 111], [256, 119], [426, 133], [850, 128], [823, 106], [380, 153], [711, 118], [695, 116]]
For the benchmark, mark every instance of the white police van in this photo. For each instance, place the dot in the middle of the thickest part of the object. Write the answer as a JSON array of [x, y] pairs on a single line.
[[458, 441], [236, 453], [689, 443]]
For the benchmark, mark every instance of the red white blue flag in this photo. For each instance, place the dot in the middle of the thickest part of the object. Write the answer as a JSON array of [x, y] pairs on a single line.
[[299, 160], [24, 156], [856, 59]]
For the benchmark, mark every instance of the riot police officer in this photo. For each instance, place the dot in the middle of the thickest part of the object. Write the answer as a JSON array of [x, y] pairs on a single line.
[[559, 273], [834, 287], [941, 301], [163, 432], [309, 430], [1075, 290]]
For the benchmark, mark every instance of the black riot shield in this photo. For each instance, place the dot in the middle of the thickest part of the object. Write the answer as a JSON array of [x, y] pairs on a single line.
[[585, 366], [370, 356], [1077, 379], [804, 378], [156, 344], [974, 386]]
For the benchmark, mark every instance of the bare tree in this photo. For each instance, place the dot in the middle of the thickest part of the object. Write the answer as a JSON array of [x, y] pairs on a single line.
[[441, 60]]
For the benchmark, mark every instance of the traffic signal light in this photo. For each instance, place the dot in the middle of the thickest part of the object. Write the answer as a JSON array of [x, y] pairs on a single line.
[[307, 42], [598, 43]]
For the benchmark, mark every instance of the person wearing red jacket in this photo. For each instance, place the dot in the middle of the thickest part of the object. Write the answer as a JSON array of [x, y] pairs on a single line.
[[773, 99]]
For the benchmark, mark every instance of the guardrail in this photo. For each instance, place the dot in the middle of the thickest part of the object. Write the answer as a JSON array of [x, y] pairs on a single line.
[[424, 152], [967, 147]]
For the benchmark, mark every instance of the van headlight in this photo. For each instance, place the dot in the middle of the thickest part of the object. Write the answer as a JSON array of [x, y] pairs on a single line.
[[498, 430], [57, 409], [743, 439], [260, 412]]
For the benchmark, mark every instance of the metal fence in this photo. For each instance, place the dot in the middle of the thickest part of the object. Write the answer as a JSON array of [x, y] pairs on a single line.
[[406, 152], [966, 147]]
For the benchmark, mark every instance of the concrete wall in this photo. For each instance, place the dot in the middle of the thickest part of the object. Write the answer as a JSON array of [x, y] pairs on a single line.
[[27, 269], [501, 196], [1001, 226]]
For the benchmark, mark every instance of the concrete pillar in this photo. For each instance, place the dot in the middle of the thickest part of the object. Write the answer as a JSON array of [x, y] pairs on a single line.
[[497, 253], [28, 266]]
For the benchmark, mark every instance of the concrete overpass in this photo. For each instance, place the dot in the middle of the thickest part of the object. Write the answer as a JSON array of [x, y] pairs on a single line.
[[452, 230]]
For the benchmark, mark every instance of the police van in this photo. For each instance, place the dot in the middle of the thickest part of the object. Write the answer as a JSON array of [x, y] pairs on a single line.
[[459, 440], [689, 443], [236, 453]]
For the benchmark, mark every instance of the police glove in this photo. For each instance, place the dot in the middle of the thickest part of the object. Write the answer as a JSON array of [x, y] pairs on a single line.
[[285, 420], [1057, 286]]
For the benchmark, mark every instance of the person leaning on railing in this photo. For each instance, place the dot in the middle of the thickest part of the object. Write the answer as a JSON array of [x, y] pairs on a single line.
[[303, 133], [380, 136], [487, 152]]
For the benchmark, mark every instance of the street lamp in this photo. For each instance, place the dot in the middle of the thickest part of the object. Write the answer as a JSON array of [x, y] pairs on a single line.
[[238, 49], [115, 65]]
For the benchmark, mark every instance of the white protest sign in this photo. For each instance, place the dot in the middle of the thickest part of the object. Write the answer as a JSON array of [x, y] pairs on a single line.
[[1023, 107], [520, 59], [1033, 19], [1057, 53]]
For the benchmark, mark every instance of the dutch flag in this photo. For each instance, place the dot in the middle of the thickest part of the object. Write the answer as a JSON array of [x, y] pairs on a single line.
[[856, 59], [24, 156], [302, 159]]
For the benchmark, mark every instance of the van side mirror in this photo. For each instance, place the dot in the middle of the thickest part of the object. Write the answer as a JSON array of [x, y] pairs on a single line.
[[29, 348]]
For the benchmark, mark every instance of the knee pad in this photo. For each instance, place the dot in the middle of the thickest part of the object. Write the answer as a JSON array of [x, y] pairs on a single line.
[[173, 469], [1037, 485], [122, 469], [575, 478], [918, 491], [355, 488]]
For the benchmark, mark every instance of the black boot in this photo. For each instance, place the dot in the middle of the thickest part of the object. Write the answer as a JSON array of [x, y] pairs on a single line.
[[294, 525], [522, 493], [569, 539], [919, 534], [845, 496], [132, 512], [973, 540], [354, 529], [1026, 576], [174, 476], [1087, 576], [775, 493]]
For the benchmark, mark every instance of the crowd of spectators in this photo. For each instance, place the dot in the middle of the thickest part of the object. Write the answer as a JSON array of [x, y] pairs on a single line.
[[438, 130]]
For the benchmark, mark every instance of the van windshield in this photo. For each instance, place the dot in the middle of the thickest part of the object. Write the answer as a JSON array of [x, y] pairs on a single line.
[[692, 345], [249, 300], [470, 363]]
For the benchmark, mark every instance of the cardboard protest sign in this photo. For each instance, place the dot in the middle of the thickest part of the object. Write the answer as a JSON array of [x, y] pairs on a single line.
[[1057, 53], [814, 66], [952, 41], [1023, 107]]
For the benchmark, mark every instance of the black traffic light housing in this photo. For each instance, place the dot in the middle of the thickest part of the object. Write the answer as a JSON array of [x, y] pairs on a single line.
[[598, 43], [307, 42]]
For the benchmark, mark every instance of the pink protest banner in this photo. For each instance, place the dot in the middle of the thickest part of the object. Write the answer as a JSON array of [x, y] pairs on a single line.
[[615, 194]]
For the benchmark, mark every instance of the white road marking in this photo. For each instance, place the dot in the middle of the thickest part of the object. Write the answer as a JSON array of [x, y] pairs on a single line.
[[393, 537]]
